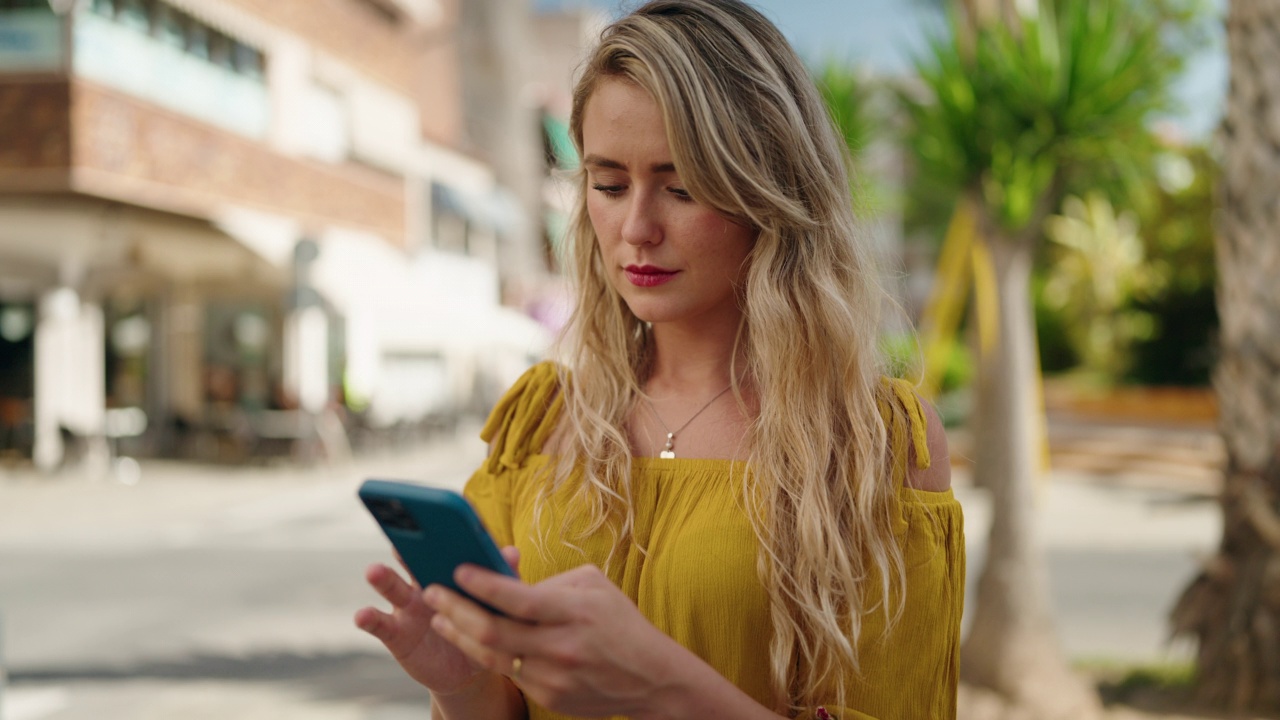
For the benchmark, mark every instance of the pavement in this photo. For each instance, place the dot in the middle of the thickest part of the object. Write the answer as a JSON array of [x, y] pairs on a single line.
[[1125, 516]]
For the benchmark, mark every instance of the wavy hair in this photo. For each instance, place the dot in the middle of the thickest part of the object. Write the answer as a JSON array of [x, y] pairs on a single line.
[[752, 139]]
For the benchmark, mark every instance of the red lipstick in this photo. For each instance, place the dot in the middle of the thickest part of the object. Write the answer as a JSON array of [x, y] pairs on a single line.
[[648, 275]]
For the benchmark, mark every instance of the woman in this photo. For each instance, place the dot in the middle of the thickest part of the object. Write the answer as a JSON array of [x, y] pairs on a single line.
[[725, 510]]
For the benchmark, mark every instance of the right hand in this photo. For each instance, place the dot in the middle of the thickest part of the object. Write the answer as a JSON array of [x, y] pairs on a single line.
[[406, 632]]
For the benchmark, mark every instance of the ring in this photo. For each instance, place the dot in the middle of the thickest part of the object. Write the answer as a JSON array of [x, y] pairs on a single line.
[[517, 662]]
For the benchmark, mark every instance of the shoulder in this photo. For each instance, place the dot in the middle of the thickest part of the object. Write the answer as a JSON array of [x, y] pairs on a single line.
[[936, 474], [521, 421]]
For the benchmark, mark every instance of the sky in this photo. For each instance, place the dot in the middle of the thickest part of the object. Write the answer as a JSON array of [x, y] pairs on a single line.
[[884, 35]]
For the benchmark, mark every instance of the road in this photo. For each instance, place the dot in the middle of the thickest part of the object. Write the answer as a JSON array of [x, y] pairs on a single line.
[[208, 593]]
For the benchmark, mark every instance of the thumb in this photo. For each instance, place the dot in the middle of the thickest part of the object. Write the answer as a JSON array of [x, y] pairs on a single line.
[[512, 556]]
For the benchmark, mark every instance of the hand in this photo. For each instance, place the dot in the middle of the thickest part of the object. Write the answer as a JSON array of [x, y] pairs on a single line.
[[585, 648], [406, 632]]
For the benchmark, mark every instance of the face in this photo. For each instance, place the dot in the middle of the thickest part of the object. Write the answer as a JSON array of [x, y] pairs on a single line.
[[671, 259]]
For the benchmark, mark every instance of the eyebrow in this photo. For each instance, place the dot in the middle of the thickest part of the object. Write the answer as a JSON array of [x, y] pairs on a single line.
[[602, 162]]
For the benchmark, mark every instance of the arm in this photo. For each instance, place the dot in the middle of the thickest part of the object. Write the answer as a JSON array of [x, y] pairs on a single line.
[[936, 477], [491, 696]]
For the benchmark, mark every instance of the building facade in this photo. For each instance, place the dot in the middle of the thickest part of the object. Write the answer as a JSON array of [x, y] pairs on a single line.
[[219, 218]]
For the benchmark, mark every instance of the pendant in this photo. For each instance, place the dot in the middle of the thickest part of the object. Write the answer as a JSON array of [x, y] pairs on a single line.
[[669, 452]]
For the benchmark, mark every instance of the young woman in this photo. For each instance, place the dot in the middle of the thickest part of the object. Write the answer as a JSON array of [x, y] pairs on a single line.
[[720, 508]]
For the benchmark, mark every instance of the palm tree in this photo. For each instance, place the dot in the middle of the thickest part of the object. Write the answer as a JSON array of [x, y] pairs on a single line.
[[1233, 606], [1016, 116]]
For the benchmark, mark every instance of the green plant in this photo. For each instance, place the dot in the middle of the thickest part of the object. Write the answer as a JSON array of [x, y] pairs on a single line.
[[1012, 119], [1178, 235], [851, 100], [1100, 267], [902, 354]]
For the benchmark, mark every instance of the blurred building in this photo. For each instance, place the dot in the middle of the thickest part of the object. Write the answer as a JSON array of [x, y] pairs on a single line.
[[219, 218]]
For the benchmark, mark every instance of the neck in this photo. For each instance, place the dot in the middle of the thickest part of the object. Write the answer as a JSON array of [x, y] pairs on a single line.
[[693, 360]]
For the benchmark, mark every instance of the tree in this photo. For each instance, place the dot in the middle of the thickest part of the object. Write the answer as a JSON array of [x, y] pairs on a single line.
[[1016, 116], [1233, 606]]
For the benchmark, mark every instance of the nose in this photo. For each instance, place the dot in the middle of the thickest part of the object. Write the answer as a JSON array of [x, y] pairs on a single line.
[[641, 224]]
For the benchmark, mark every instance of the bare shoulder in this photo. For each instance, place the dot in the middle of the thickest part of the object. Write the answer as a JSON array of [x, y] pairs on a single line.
[[936, 477], [558, 442]]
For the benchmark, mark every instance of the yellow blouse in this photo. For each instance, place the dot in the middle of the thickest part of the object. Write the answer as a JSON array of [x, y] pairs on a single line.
[[698, 582]]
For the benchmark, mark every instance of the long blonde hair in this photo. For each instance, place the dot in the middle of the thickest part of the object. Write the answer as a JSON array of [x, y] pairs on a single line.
[[751, 138]]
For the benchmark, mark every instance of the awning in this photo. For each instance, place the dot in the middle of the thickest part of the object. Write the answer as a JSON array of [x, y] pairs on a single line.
[[561, 143], [435, 302], [498, 210], [271, 237]]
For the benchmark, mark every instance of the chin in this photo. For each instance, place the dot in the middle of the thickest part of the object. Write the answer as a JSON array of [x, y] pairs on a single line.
[[648, 312]]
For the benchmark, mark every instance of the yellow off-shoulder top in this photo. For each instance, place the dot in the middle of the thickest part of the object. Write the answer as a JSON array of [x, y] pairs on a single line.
[[697, 580]]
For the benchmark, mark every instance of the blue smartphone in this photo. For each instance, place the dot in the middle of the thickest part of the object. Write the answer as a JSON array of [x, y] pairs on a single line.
[[434, 530]]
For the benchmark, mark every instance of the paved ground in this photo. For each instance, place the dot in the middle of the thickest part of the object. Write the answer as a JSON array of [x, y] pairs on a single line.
[[227, 592]]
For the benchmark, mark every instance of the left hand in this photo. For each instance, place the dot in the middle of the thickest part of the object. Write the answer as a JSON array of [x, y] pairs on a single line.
[[585, 648]]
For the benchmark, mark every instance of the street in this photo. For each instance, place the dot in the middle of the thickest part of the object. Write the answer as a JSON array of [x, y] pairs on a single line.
[[203, 592]]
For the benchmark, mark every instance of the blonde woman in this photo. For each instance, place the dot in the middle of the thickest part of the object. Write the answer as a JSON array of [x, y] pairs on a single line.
[[721, 508]]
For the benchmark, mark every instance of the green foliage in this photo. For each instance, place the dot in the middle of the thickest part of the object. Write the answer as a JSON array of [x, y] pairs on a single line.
[[1057, 354], [1170, 683], [1163, 323], [1029, 113], [851, 101], [1178, 232], [1099, 269], [903, 356], [848, 99]]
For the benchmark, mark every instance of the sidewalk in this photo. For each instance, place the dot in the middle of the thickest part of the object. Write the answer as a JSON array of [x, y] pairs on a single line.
[[171, 498], [1121, 536], [250, 664]]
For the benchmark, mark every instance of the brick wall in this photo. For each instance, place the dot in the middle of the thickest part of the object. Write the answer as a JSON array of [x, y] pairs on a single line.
[[352, 30], [135, 152], [35, 128], [439, 87]]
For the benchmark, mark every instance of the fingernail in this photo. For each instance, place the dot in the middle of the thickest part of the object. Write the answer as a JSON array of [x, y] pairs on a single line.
[[431, 596]]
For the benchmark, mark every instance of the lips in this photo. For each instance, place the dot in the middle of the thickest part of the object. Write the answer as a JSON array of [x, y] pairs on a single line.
[[648, 275]]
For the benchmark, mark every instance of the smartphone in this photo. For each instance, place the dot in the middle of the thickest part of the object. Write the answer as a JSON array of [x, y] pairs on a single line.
[[434, 531]]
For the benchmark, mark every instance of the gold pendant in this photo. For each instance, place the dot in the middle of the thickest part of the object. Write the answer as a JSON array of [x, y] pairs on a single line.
[[669, 452]]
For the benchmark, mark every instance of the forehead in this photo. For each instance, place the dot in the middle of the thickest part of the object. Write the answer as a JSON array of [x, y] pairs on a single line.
[[621, 116]]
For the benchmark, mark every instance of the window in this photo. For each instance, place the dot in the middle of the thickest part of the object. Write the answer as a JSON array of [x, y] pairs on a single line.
[[198, 40], [176, 29], [220, 51], [170, 26], [135, 14], [247, 61], [24, 4]]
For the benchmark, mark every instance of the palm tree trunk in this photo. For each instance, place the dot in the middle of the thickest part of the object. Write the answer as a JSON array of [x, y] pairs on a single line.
[[1012, 647], [1233, 606]]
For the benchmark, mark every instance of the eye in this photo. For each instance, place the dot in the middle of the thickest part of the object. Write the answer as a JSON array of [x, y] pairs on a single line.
[[680, 194], [608, 190]]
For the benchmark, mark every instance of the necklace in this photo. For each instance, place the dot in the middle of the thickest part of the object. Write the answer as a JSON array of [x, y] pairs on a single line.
[[669, 452]]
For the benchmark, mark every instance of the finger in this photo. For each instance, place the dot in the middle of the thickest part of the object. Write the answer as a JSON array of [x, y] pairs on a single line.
[[511, 554], [489, 640], [580, 578], [511, 596], [391, 586], [386, 629], [376, 623]]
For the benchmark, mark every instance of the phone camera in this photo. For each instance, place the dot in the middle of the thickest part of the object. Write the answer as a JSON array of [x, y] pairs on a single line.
[[392, 514]]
